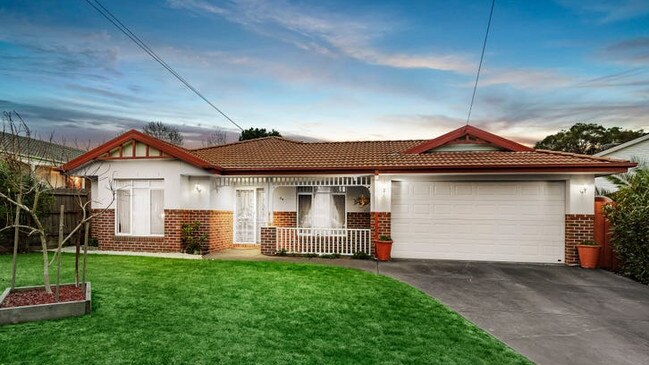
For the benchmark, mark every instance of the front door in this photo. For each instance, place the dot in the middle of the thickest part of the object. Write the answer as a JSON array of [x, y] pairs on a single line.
[[246, 216]]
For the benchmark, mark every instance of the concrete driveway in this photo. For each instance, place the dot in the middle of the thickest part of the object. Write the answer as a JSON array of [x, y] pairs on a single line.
[[551, 314]]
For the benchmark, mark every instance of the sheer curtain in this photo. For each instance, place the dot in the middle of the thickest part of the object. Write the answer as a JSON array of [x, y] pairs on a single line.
[[123, 211], [321, 209]]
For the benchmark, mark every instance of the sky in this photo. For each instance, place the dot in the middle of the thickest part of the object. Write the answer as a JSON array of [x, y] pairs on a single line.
[[334, 70]]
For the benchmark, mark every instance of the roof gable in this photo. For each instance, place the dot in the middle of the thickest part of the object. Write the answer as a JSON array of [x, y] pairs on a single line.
[[623, 145], [468, 135], [137, 145]]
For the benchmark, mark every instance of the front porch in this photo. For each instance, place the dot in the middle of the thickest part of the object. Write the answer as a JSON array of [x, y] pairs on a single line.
[[302, 215]]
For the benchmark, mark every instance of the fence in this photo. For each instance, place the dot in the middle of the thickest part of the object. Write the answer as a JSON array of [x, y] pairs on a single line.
[[607, 258], [321, 241], [72, 214]]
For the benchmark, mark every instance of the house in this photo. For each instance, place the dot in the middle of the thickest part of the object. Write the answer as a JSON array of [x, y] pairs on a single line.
[[466, 195], [42, 157], [636, 150]]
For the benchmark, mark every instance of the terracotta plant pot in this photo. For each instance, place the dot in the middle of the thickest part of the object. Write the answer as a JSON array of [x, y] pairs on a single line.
[[383, 250], [588, 256]]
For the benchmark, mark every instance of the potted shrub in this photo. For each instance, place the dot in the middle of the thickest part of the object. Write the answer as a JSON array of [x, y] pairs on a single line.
[[588, 254], [383, 248]]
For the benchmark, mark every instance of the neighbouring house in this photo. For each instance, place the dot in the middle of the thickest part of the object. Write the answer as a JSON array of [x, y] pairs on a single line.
[[636, 150], [43, 158], [466, 195]]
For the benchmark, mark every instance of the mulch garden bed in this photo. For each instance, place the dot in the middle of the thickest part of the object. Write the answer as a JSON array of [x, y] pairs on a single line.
[[68, 293]]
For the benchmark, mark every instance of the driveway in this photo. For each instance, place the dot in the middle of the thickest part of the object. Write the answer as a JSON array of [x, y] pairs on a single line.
[[552, 314]]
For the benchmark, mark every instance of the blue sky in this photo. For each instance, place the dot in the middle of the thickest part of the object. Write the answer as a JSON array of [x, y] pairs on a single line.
[[335, 70]]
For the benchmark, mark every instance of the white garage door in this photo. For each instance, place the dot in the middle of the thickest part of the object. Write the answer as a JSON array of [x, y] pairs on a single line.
[[492, 221]]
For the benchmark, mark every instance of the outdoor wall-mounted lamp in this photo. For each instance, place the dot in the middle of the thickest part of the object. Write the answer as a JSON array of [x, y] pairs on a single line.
[[583, 189], [198, 187]]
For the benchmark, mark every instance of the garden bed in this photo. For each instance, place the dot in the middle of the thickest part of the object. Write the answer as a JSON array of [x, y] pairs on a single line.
[[33, 303]]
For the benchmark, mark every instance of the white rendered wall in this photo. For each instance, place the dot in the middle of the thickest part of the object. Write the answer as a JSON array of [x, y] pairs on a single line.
[[176, 189]]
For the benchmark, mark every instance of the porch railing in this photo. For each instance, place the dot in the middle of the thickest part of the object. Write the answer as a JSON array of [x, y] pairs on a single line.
[[323, 241]]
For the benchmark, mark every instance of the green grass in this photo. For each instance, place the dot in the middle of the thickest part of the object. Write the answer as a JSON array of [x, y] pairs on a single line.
[[150, 310]]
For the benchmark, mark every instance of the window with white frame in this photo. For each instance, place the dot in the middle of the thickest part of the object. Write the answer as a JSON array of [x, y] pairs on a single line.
[[321, 207], [139, 207]]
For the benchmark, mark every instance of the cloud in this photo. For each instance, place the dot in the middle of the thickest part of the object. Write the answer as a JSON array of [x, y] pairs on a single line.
[[329, 34], [609, 11], [527, 78], [631, 51]]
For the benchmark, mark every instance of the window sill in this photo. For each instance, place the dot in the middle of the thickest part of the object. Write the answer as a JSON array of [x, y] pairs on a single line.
[[139, 238]]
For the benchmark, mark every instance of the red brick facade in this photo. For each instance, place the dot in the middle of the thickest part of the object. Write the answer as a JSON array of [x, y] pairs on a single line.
[[218, 225], [268, 240], [358, 220], [285, 219], [381, 224], [579, 228]]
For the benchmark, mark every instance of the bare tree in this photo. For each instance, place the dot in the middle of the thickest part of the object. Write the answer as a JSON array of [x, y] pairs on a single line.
[[217, 137], [164, 132], [24, 191]]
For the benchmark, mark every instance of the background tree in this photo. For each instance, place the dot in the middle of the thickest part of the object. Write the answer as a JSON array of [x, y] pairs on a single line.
[[217, 137], [164, 132], [252, 133], [587, 138]]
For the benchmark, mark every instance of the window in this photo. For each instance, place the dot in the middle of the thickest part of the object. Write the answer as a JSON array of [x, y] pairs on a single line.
[[321, 207], [140, 208]]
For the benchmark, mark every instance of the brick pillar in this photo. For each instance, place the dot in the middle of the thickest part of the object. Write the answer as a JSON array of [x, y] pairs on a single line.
[[381, 226], [579, 228], [268, 240]]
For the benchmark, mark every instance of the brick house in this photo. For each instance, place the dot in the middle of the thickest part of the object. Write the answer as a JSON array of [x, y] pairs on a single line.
[[466, 195]]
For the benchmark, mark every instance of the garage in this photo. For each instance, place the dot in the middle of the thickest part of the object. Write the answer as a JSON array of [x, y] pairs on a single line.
[[518, 221]]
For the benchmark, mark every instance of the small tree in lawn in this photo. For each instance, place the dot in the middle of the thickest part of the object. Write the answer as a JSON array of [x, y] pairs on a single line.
[[25, 193]]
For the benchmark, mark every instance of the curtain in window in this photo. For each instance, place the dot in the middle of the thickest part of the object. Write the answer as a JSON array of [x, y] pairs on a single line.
[[321, 209], [157, 211], [123, 211], [304, 210], [337, 211]]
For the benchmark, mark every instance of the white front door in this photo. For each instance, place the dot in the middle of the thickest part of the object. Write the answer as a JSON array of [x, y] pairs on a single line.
[[246, 214], [491, 221], [250, 215]]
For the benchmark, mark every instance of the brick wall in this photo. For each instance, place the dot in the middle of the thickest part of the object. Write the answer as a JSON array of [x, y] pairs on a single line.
[[268, 240], [285, 219], [221, 230], [579, 228], [380, 224], [358, 220], [218, 226]]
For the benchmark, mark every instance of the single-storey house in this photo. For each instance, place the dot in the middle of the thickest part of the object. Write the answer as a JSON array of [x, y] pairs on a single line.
[[466, 195], [42, 157], [636, 150]]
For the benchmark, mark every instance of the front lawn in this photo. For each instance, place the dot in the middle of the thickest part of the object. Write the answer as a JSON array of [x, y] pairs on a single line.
[[161, 311]]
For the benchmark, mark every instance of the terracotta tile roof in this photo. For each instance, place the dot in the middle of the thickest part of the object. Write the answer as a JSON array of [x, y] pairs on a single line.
[[280, 154]]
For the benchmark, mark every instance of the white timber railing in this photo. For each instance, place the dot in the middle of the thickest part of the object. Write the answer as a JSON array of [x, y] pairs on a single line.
[[323, 241]]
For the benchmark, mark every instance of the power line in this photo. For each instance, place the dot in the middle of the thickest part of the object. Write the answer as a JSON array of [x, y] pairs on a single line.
[[484, 46], [124, 29]]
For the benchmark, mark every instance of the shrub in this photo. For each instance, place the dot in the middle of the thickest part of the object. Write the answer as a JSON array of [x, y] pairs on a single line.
[[93, 242], [191, 238], [281, 252], [330, 256], [361, 256], [630, 228]]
